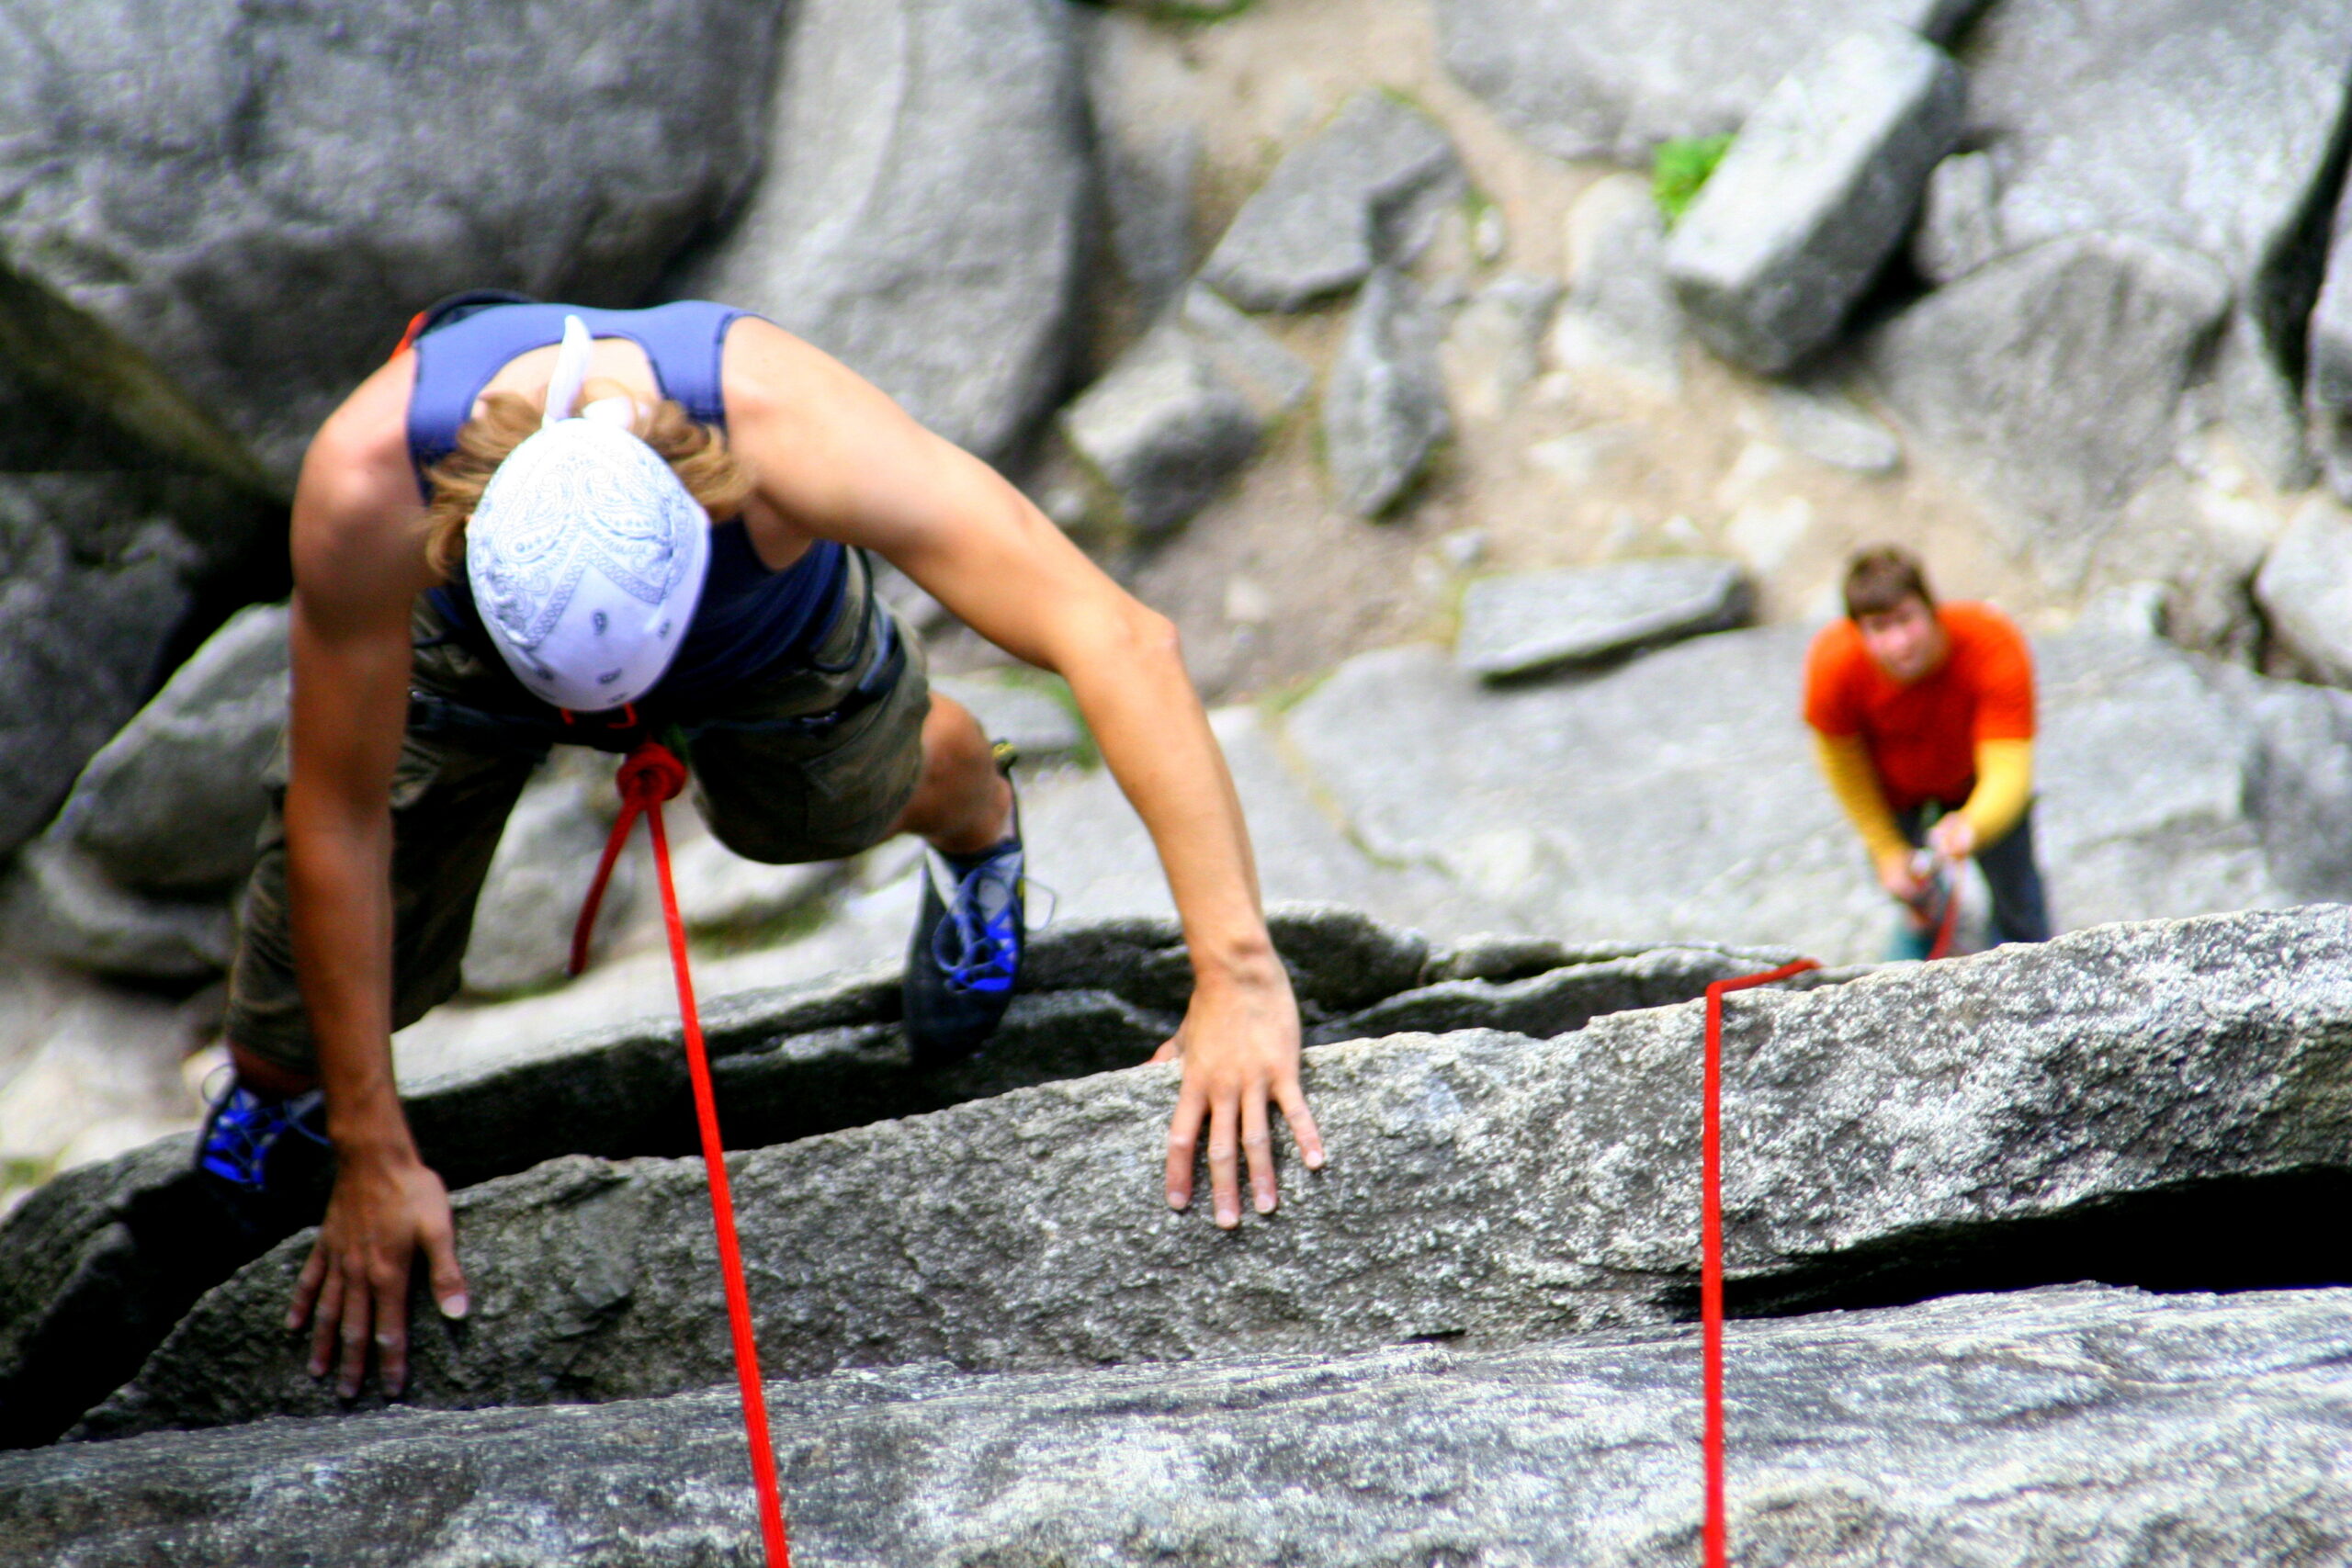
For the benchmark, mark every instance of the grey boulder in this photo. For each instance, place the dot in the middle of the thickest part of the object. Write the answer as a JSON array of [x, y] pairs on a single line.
[[1032, 710], [1613, 78], [1163, 429], [56, 902], [924, 206], [92, 584], [1816, 192], [1992, 373], [2036, 1110], [1959, 219], [1984, 1427], [1529, 623], [1384, 410], [2327, 386], [174, 801], [1275, 381], [1825, 425], [2305, 590], [1364, 191], [220, 218], [1184, 410], [2201, 124]]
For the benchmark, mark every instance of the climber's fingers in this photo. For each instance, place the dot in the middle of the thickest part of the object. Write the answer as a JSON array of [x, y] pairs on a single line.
[[1258, 1149], [1303, 1129], [1224, 1163], [307, 1288], [1184, 1143]]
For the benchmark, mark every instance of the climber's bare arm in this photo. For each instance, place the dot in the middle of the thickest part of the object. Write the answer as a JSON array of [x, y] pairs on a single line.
[[359, 563], [840, 459]]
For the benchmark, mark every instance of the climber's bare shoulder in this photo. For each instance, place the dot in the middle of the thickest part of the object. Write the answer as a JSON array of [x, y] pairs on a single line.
[[829, 450], [358, 552]]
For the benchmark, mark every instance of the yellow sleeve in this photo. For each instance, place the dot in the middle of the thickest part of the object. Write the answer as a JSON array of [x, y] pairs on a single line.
[[1845, 762], [2003, 786]]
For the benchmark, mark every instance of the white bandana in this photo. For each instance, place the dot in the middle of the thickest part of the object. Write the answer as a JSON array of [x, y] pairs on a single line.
[[586, 555]]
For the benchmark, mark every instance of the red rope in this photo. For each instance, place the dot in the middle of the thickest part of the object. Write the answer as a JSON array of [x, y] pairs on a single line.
[[650, 775], [1710, 1250], [1949, 925]]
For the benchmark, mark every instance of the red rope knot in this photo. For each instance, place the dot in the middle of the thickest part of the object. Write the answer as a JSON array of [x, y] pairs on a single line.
[[648, 776]]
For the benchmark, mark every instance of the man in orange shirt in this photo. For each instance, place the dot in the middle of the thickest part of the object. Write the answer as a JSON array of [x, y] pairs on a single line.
[[1918, 709]]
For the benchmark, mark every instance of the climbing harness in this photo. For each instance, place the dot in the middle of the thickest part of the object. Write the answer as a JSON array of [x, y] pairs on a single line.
[[1710, 1250], [648, 776]]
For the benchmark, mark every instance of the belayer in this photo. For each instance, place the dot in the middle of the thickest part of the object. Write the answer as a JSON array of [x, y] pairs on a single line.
[[542, 524], [1922, 717]]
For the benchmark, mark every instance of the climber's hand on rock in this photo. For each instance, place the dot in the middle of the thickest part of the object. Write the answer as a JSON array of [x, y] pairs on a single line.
[[1954, 837], [354, 1288], [1239, 1048]]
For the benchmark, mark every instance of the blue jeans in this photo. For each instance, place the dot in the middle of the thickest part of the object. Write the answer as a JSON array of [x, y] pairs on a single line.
[[2020, 909]]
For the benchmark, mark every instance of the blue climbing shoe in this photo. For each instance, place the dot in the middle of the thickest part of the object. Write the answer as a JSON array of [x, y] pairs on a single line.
[[963, 960], [264, 1147]]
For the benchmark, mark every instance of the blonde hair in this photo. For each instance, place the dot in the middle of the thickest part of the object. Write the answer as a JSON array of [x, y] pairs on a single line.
[[697, 454]]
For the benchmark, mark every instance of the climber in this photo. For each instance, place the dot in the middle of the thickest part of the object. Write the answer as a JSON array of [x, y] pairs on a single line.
[[540, 524], [1922, 717]]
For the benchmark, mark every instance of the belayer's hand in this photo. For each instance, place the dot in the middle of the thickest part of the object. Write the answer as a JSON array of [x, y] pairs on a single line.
[[1954, 837], [1895, 875], [354, 1288], [1239, 1048]]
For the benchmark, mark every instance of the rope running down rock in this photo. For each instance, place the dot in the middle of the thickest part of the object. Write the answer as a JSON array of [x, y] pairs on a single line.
[[648, 776], [1710, 1250]]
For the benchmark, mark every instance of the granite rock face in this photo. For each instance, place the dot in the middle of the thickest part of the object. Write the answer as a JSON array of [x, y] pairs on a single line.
[[94, 583], [1978, 1427], [2214, 127], [1364, 191], [1384, 410], [1613, 78], [1164, 429], [1527, 623], [1816, 192], [925, 204], [56, 902], [2042, 1108], [103, 1261], [1989, 371], [1826, 425], [1960, 221], [2327, 384], [172, 801], [1679, 796], [2305, 590], [221, 217]]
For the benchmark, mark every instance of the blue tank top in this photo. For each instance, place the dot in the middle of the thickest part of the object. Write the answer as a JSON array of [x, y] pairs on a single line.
[[751, 621]]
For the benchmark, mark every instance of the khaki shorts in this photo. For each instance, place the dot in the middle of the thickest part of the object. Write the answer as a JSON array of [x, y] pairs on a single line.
[[809, 765]]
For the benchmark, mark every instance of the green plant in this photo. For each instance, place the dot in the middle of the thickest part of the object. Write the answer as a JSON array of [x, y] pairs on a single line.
[[1680, 170]]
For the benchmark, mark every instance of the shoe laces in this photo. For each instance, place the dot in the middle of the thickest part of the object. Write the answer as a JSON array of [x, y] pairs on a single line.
[[245, 1127], [978, 944]]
